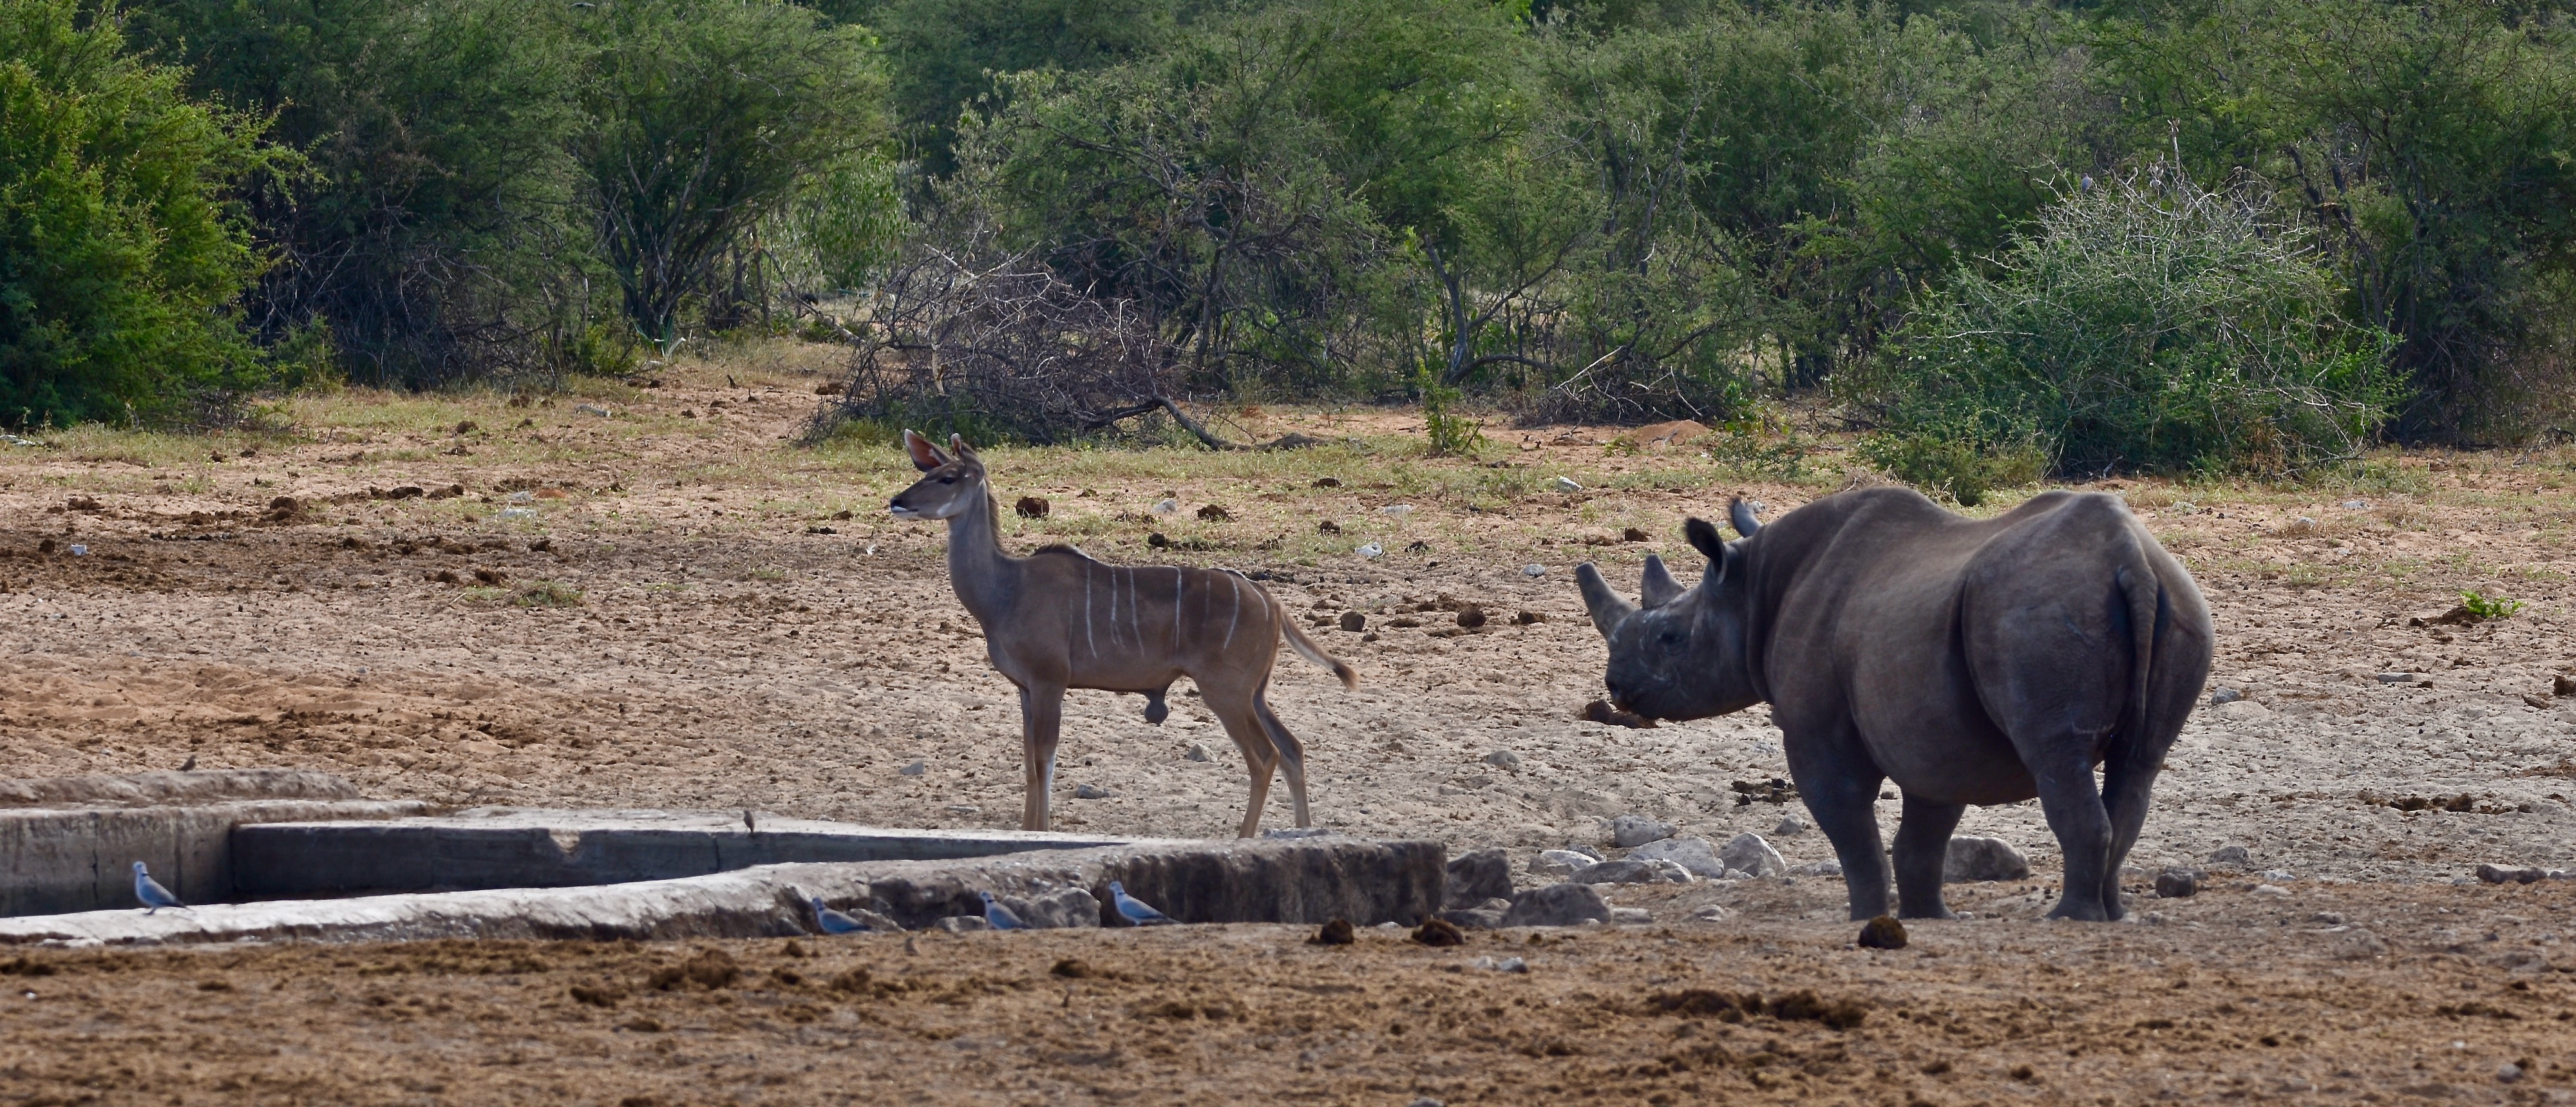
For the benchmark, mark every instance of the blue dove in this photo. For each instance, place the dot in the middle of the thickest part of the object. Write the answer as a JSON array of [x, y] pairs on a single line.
[[1002, 918], [150, 891], [834, 922], [1137, 912]]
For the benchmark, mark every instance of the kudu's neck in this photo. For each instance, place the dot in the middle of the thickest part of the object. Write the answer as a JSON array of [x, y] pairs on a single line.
[[984, 576]]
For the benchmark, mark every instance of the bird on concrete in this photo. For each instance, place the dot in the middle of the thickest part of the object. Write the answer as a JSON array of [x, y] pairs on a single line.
[[834, 922], [1001, 917], [1137, 912], [150, 891]]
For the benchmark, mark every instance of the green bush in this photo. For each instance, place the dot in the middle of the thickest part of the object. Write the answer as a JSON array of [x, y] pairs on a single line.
[[120, 259], [2146, 323]]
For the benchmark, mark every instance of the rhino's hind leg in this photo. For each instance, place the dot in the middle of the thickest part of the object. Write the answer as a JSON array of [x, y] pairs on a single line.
[[2082, 824], [1922, 850]]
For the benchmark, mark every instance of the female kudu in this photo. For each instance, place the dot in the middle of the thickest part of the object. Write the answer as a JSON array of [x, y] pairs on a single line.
[[1058, 619]]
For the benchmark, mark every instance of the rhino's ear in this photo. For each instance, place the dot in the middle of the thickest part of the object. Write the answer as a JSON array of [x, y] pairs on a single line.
[[1704, 538], [1660, 588]]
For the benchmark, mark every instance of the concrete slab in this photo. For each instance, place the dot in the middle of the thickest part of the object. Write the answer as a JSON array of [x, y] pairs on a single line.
[[175, 789], [502, 847], [80, 860], [1305, 880]]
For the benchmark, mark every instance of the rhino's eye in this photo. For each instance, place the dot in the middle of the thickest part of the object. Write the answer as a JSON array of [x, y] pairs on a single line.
[[1670, 637]]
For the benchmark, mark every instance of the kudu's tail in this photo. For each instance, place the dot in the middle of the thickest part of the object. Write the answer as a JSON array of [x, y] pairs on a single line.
[[1308, 649]]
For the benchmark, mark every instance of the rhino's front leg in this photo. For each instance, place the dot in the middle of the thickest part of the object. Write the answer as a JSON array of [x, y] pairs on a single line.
[[1840, 783]]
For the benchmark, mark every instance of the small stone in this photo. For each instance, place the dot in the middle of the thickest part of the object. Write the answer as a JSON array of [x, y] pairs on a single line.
[[1631, 916], [1511, 964], [914, 769], [1198, 752], [1565, 484], [959, 924], [1533, 570], [1883, 932], [591, 409], [1425, 1101], [1478, 876], [2280, 876], [1979, 859], [1559, 862], [2499, 874], [2178, 883], [2355, 505], [2235, 857], [1397, 510], [1618, 872], [2398, 678], [1694, 855], [1821, 868], [2329, 918], [1335, 933], [1371, 550], [1090, 792], [1566, 904], [1166, 507], [1503, 759], [2273, 890], [1710, 913], [1528, 618], [2354, 944], [1354, 621], [1790, 827], [2509, 1073], [1637, 830], [1587, 851], [2218, 696], [1750, 853]]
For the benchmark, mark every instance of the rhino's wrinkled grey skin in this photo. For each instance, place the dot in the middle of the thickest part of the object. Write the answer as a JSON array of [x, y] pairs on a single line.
[[1969, 661]]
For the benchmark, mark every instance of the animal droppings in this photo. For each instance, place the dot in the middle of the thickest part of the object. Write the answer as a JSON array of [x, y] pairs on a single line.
[[1031, 507], [1335, 933], [1635, 534], [1528, 618], [1883, 932], [1600, 711], [1328, 527], [1354, 621], [1328, 482], [1438, 932], [1212, 513], [2178, 883]]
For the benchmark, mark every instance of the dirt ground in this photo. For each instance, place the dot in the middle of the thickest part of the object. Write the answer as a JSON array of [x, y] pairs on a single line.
[[649, 597]]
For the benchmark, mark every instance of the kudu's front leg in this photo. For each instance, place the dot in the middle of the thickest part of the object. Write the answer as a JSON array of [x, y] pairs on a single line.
[[1041, 720]]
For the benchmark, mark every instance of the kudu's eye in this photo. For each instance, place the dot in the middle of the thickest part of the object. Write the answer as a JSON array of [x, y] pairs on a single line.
[[947, 480]]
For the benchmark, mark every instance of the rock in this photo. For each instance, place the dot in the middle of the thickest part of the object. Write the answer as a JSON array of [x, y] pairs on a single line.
[[2351, 943], [1790, 827], [1397, 510], [2234, 857], [1883, 932], [1710, 913], [1566, 904], [591, 409], [1090, 792], [2221, 696], [1976, 859], [2562, 685], [1335, 933], [1438, 933], [2398, 678], [1748, 852], [1637, 830], [1694, 855], [1166, 507], [1354, 621], [1198, 752], [1586, 851], [959, 924], [1559, 862], [2355, 505], [1821, 868], [1031, 507], [2330, 918], [1619, 872], [2280, 876], [2271, 890], [1478, 876], [1071, 907], [1631, 916], [913, 769], [2178, 883], [1674, 873], [1533, 570], [1564, 484], [1503, 759], [1371, 550], [1508, 964], [2508, 1073], [2498, 874]]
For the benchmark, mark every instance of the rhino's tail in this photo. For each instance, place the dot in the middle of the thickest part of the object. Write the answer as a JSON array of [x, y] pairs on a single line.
[[2147, 616]]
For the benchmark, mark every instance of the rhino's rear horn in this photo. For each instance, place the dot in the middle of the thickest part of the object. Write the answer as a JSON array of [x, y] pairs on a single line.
[[1608, 610], [1660, 588]]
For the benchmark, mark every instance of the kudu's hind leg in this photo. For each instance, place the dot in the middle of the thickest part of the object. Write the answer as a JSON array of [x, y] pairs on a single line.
[[1041, 721], [1260, 755], [1292, 754]]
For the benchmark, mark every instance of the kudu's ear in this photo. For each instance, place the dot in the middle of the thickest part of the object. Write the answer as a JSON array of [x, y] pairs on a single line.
[[925, 456], [957, 445], [1608, 610], [1660, 588], [1741, 515]]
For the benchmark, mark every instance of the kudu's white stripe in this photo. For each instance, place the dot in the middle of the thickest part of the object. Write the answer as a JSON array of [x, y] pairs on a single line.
[[1236, 587], [1088, 635], [1177, 577]]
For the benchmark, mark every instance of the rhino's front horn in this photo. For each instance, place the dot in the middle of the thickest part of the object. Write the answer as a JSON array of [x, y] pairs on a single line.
[[1608, 610], [1660, 588]]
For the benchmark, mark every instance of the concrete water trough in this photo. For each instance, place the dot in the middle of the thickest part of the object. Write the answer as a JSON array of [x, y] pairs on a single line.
[[323, 865]]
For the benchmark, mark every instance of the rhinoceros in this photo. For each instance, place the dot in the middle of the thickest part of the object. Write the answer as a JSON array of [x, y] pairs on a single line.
[[1978, 661]]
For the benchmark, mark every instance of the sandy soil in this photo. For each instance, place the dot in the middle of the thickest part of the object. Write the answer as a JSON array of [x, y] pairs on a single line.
[[665, 606], [2233, 998]]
